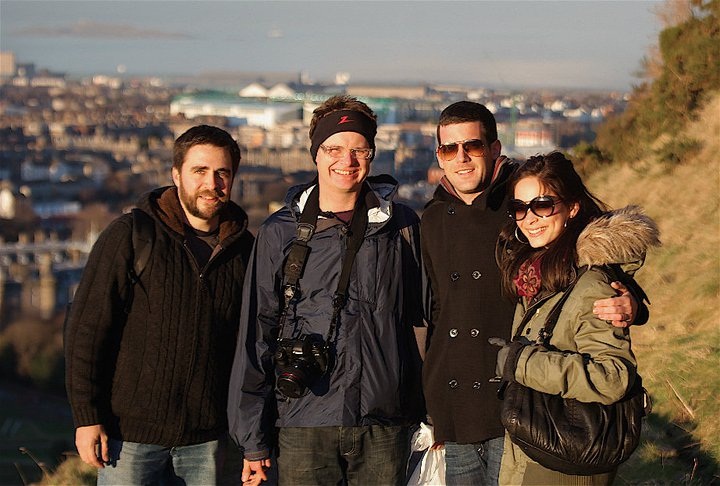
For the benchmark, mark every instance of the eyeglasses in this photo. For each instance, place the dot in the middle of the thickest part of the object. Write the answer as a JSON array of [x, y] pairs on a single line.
[[337, 152], [473, 147], [541, 206]]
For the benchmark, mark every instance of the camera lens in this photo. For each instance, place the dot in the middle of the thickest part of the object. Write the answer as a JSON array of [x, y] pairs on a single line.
[[300, 363], [291, 384]]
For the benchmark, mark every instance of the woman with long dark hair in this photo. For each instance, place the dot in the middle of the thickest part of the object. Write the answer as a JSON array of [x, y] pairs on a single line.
[[556, 229]]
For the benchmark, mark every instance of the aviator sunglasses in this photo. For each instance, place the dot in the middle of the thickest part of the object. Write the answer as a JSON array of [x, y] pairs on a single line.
[[473, 147], [541, 206]]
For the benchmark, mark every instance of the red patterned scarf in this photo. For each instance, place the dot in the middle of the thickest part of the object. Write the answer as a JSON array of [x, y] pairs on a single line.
[[528, 280]]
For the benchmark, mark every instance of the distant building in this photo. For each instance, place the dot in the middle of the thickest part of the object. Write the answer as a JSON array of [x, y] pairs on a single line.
[[239, 111], [25, 70], [388, 91], [49, 80], [39, 275], [8, 203], [342, 78], [534, 134], [104, 80], [7, 65], [534, 137], [280, 91], [254, 90]]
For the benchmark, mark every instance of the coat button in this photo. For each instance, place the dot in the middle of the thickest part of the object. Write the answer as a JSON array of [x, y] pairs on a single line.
[[453, 332], [476, 385], [454, 276], [527, 331], [476, 275], [451, 209], [453, 383], [474, 333]]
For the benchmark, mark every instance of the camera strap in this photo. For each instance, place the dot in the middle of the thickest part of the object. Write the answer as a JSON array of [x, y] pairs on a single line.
[[356, 235], [299, 251]]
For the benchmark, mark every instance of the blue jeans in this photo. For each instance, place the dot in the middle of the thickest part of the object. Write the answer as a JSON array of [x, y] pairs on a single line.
[[476, 464], [132, 463], [374, 455]]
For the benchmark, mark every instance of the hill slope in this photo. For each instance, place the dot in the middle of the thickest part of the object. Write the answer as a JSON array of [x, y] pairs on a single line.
[[678, 350]]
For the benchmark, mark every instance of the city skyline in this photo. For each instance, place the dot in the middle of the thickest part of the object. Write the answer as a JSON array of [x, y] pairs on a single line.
[[543, 44]]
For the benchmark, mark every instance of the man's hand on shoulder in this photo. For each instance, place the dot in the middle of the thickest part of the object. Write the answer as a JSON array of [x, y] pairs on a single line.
[[620, 311], [87, 441]]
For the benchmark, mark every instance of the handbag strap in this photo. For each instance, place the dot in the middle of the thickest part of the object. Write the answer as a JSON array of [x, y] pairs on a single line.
[[551, 321]]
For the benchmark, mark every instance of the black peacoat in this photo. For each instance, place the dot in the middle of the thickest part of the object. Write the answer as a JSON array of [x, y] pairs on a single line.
[[465, 308]]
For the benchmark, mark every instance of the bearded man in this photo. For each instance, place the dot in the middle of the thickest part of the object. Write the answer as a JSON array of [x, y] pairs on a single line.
[[149, 353]]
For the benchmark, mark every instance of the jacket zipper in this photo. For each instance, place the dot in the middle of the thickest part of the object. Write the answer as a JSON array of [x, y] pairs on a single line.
[[191, 364]]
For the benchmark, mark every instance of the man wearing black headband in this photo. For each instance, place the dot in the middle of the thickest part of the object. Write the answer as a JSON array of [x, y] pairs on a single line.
[[327, 350]]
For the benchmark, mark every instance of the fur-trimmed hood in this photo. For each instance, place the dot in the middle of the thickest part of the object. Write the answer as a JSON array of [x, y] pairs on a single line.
[[621, 236]]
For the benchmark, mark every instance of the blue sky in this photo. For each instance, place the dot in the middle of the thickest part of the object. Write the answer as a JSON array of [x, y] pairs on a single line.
[[590, 44]]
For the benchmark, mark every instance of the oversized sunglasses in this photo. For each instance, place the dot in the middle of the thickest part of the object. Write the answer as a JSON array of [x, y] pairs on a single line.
[[473, 147], [541, 206]]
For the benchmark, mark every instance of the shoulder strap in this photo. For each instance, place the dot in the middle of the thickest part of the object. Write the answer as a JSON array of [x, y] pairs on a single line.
[[143, 238], [299, 251], [552, 318], [358, 227]]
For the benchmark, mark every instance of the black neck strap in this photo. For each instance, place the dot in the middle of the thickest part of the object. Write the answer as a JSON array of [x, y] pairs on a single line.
[[299, 251]]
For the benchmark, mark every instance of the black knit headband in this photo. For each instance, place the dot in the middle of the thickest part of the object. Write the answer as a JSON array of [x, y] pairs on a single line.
[[343, 121]]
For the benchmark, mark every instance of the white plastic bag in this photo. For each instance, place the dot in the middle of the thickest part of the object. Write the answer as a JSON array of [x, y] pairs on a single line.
[[431, 470]]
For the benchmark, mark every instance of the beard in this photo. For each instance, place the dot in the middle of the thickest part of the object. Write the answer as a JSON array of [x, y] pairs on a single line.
[[207, 211]]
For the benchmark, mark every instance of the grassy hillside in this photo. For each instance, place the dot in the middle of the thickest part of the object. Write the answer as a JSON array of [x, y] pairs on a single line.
[[678, 350]]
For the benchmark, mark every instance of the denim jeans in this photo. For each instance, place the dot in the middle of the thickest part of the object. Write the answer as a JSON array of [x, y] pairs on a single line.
[[373, 455], [476, 464], [132, 463]]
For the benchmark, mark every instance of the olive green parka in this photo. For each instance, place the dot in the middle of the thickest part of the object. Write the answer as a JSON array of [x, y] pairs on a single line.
[[590, 360]]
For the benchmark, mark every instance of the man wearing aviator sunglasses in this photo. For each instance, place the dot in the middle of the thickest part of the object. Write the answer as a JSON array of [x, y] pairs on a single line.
[[459, 230]]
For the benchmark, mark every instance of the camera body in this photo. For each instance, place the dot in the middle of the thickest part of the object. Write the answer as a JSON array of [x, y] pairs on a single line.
[[300, 363]]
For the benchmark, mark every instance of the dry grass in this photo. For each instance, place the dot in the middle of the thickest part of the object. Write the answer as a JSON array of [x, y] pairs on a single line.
[[678, 350], [72, 472]]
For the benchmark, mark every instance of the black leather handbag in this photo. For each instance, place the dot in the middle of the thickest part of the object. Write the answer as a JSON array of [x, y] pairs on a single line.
[[569, 436]]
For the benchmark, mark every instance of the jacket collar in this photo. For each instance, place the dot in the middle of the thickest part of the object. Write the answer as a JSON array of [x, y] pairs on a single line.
[[491, 197], [379, 198]]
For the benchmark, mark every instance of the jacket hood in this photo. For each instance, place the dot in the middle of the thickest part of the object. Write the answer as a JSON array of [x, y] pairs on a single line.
[[383, 187], [620, 236], [163, 204]]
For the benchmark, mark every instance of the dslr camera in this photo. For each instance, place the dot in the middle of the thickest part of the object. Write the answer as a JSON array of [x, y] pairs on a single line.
[[300, 363]]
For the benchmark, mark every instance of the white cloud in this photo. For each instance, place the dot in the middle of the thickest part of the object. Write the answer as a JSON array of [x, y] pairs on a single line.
[[84, 28]]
